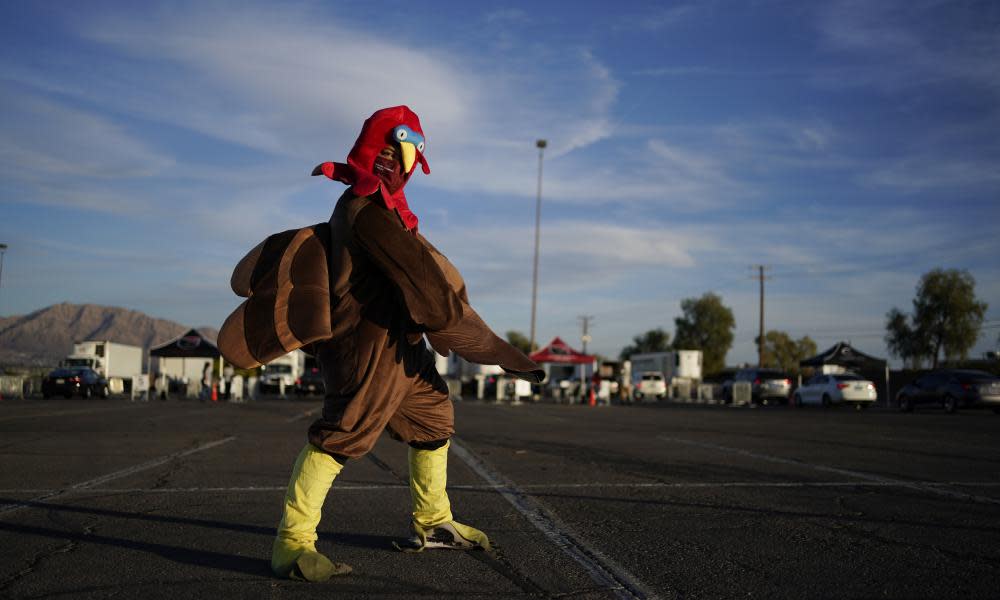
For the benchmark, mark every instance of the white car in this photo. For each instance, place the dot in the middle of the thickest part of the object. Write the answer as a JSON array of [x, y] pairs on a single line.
[[650, 385], [838, 388]]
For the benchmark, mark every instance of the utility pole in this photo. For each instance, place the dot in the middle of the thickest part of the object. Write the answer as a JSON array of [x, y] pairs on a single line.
[[3, 248], [540, 144], [759, 276], [585, 320]]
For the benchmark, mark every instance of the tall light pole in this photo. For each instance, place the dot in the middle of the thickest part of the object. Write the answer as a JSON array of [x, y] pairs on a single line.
[[540, 144], [3, 248]]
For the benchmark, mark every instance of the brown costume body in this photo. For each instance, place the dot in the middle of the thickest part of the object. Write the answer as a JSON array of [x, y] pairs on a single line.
[[385, 288]]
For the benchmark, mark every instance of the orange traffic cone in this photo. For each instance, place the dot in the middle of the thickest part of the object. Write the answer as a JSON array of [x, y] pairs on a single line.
[[593, 399], [215, 392]]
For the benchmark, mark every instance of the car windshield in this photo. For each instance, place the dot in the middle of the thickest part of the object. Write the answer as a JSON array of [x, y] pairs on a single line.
[[652, 378], [847, 377], [771, 375], [67, 372], [77, 362], [973, 376], [279, 368]]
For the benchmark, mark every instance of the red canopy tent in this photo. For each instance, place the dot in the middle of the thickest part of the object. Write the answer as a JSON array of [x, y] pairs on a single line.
[[559, 351]]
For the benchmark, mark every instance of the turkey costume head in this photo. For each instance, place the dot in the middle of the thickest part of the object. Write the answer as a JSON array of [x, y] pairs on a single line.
[[398, 127]]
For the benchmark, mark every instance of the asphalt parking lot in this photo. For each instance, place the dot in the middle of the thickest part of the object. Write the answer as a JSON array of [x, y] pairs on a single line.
[[179, 499]]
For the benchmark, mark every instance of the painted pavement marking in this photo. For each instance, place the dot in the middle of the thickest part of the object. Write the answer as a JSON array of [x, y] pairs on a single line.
[[304, 415], [877, 479], [91, 483], [601, 569], [347, 487], [62, 413]]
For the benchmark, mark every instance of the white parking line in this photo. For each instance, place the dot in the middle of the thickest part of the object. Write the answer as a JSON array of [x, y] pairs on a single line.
[[62, 413], [347, 487], [304, 415], [601, 569], [90, 483], [933, 488]]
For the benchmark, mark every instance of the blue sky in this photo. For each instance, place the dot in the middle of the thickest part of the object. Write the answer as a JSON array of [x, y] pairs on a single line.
[[851, 146]]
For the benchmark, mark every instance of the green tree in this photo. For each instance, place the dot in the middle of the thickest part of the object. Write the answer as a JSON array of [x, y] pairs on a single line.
[[782, 352], [520, 341], [654, 340], [707, 325], [946, 319], [903, 341]]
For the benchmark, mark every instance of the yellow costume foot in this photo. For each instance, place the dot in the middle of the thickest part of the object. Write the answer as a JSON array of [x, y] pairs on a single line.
[[433, 525], [294, 554], [294, 561], [451, 535]]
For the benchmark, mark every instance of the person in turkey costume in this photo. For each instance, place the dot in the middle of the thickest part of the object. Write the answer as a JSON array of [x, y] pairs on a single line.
[[361, 293]]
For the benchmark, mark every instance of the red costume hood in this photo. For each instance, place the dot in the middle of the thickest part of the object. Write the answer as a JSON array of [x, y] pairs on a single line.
[[359, 173]]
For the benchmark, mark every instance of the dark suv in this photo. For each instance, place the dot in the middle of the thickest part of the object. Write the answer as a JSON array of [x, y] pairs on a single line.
[[311, 382], [952, 389], [766, 385], [75, 380]]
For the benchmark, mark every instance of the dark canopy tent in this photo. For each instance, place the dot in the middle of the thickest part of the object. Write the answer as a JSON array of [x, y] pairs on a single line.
[[177, 359], [190, 345], [844, 355]]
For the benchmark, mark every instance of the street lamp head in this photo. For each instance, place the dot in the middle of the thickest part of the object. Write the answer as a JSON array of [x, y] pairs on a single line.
[[541, 143]]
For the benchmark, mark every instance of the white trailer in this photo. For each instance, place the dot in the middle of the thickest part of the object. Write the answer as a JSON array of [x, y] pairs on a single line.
[[118, 363]]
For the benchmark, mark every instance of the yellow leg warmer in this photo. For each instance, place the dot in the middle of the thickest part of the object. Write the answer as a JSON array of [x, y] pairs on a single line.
[[294, 552], [433, 525]]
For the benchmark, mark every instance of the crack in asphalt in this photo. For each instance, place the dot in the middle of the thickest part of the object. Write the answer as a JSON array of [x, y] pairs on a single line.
[[33, 562]]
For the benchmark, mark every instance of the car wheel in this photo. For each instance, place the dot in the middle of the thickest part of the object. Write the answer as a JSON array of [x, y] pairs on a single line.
[[87, 392], [797, 399], [105, 391], [46, 395], [826, 400], [950, 404], [905, 405]]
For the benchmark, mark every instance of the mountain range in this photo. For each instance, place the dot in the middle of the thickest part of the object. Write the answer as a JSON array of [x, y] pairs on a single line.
[[44, 337]]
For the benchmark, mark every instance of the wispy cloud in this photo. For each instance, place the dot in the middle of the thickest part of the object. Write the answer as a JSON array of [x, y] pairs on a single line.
[[275, 82], [920, 173], [40, 137], [905, 43], [659, 17]]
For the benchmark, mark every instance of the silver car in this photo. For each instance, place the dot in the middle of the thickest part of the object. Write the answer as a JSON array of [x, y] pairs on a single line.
[[839, 388], [767, 386]]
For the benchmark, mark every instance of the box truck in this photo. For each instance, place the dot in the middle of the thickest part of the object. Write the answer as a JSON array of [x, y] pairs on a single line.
[[279, 375], [118, 363]]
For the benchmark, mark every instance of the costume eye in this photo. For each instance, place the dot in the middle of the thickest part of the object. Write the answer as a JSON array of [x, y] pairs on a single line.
[[400, 134], [420, 146]]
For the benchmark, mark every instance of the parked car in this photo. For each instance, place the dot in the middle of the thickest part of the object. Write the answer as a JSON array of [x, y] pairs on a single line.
[[311, 382], [952, 389], [73, 381], [839, 388], [650, 384], [766, 385]]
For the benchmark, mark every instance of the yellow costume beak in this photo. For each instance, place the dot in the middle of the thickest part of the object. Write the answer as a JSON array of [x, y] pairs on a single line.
[[409, 156]]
